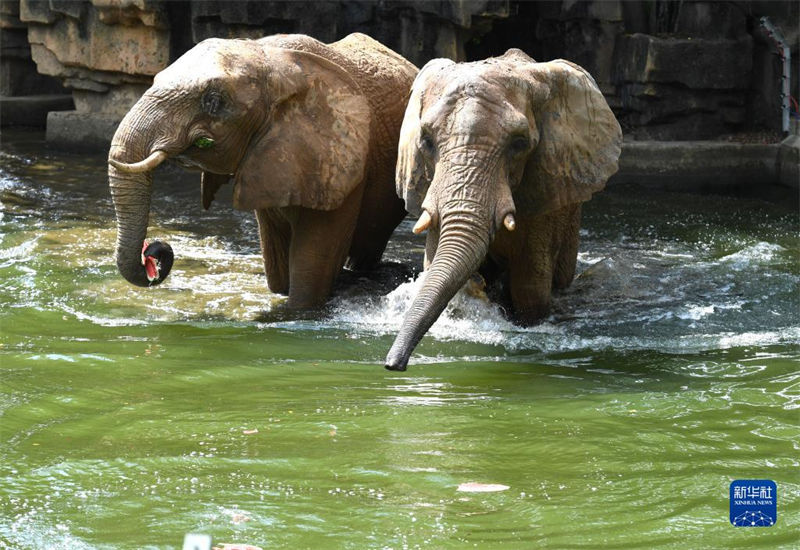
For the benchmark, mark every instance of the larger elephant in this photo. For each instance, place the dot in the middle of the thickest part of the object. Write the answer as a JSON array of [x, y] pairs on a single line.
[[307, 133], [496, 157]]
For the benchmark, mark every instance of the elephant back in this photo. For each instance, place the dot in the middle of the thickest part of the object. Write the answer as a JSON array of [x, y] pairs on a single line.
[[386, 78]]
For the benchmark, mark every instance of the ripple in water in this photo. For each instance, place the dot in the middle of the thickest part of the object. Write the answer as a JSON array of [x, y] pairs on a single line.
[[635, 299], [659, 289]]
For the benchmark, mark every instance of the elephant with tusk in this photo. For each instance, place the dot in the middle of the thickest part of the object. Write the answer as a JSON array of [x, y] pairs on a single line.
[[496, 157], [307, 133]]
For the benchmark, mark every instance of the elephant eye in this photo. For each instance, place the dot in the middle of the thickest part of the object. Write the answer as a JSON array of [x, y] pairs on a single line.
[[426, 144], [519, 144], [211, 102]]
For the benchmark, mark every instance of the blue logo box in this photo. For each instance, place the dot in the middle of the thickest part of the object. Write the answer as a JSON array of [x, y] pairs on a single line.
[[754, 503]]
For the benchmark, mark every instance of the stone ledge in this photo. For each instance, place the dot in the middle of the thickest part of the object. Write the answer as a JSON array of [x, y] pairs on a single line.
[[705, 165], [80, 132], [31, 110], [788, 163]]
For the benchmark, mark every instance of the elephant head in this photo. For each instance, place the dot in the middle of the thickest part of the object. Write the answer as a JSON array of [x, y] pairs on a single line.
[[486, 146], [289, 127]]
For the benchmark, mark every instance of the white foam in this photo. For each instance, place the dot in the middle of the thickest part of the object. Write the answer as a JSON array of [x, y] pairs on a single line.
[[750, 256], [695, 312], [102, 320], [31, 529], [23, 252], [763, 338]]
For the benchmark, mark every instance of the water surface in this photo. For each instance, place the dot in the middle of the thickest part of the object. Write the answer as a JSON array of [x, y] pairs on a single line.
[[131, 417]]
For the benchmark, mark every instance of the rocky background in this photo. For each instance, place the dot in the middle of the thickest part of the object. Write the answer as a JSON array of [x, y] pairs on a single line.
[[671, 70]]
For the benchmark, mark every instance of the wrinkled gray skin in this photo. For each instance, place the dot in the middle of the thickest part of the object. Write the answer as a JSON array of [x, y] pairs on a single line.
[[496, 157], [307, 133]]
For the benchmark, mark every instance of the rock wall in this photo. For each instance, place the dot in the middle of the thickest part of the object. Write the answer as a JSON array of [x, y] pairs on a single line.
[[18, 75], [34, 94], [687, 69], [670, 70]]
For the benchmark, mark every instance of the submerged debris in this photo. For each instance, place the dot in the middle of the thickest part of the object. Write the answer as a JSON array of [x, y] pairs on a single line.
[[475, 487]]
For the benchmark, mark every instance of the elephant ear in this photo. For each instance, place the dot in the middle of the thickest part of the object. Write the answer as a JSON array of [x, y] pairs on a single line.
[[313, 150], [579, 138], [411, 177]]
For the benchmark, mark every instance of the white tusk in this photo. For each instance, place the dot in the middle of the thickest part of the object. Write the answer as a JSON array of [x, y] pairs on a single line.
[[423, 223], [146, 165], [509, 222]]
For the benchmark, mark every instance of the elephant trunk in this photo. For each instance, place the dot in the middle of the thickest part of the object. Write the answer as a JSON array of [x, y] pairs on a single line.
[[130, 179], [463, 243]]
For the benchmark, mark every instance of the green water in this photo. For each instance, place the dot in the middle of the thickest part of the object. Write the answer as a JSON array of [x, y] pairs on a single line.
[[669, 369]]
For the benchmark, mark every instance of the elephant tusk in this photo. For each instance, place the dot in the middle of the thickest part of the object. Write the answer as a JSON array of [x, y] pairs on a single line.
[[146, 165], [509, 222], [423, 223]]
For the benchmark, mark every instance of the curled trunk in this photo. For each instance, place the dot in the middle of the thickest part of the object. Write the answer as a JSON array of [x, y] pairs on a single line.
[[141, 264], [131, 195]]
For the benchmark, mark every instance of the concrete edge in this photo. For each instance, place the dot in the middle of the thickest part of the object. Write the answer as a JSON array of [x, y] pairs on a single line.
[[80, 132], [709, 165]]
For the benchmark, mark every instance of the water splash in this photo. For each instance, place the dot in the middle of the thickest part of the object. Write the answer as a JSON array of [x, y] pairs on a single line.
[[760, 253], [468, 316]]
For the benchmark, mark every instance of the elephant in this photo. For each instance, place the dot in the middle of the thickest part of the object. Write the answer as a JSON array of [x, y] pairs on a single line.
[[307, 133], [496, 157]]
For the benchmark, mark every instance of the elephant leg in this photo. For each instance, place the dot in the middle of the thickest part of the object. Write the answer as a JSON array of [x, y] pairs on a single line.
[[274, 232], [531, 282], [543, 256], [532, 251], [568, 251], [319, 246], [381, 212]]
